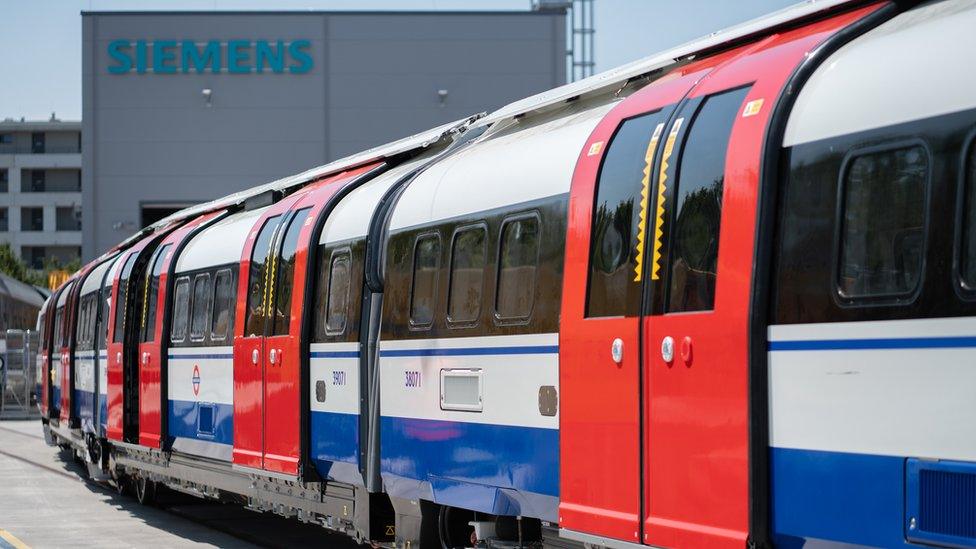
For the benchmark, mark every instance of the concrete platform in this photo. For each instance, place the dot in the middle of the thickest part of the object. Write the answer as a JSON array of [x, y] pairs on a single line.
[[45, 501]]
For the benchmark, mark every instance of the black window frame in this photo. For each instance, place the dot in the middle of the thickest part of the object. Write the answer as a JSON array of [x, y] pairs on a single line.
[[499, 319], [413, 324], [451, 322], [964, 290], [890, 299]]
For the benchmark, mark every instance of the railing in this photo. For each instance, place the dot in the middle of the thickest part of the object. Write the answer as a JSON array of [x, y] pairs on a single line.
[[8, 148], [19, 382]]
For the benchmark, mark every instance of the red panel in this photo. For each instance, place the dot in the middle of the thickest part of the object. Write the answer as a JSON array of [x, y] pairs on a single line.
[[150, 353], [67, 328], [696, 471]]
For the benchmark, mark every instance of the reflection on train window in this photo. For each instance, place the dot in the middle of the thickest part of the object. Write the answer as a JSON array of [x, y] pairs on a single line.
[[223, 305], [518, 259], [614, 286], [122, 302], [151, 295], [200, 308], [181, 309], [106, 304], [467, 275], [286, 273], [882, 223], [256, 282], [338, 307], [967, 261], [426, 263], [698, 204]]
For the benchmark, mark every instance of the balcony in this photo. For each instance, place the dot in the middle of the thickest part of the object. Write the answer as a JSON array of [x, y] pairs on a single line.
[[15, 148]]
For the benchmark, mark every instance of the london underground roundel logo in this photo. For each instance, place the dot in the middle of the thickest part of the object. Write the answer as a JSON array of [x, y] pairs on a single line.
[[196, 380]]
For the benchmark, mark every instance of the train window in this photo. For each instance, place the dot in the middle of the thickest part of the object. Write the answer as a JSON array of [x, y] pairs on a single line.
[[467, 275], [883, 197], [614, 285], [42, 329], [58, 322], [122, 295], [200, 307], [257, 298], [105, 302], [181, 309], [518, 259], [967, 259], [223, 305], [339, 283], [698, 204], [286, 273], [426, 264], [151, 294]]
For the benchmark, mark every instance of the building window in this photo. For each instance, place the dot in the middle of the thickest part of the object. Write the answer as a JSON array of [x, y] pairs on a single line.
[[37, 143], [882, 219], [51, 181], [6, 138], [518, 259], [426, 263], [4, 179], [4, 221], [32, 219], [68, 219]]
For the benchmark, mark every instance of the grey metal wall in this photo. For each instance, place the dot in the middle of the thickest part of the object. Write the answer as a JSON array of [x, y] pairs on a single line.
[[152, 138]]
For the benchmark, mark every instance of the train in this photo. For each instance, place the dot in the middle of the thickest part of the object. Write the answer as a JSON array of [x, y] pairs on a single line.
[[722, 296]]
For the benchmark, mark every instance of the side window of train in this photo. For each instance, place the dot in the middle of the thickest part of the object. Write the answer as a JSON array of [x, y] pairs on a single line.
[[122, 297], [967, 244], [200, 307], [258, 279], [337, 309], [697, 204], [181, 309], [423, 290], [223, 305], [286, 273], [151, 294], [881, 233], [518, 259], [105, 301], [614, 285], [467, 276]]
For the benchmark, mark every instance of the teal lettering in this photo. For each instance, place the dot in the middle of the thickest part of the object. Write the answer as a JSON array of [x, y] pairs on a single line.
[[163, 56], [141, 56], [123, 63], [299, 52], [200, 61], [238, 57], [274, 58]]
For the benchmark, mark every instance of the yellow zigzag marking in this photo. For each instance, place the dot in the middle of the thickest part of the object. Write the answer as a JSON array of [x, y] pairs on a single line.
[[659, 211], [645, 192]]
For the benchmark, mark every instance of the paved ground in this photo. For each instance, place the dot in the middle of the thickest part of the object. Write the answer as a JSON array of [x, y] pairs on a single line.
[[45, 501]]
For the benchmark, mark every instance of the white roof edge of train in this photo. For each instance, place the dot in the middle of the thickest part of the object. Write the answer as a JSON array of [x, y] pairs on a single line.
[[619, 76]]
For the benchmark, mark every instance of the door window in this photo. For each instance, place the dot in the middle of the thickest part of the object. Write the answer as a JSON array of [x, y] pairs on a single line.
[[967, 260], [123, 295], [258, 279], [426, 264], [223, 305], [151, 295], [467, 275], [518, 260], [616, 241], [286, 273]]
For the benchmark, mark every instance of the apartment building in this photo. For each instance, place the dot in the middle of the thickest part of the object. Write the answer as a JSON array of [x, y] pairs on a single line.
[[40, 189]]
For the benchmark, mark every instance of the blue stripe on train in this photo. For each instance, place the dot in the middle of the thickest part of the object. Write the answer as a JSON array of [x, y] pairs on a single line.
[[335, 446], [202, 421], [882, 343], [494, 469], [103, 415], [838, 497], [83, 405], [472, 351]]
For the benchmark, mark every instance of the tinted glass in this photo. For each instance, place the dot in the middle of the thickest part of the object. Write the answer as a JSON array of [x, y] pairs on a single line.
[[105, 302], [151, 296], [338, 308], [286, 273], [181, 309], [58, 320], [257, 281], [517, 262], [882, 223], [223, 305], [616, 243], [967, 261], [200, 307], [123, 292], [467, 275], [426, 262], [698, 211]]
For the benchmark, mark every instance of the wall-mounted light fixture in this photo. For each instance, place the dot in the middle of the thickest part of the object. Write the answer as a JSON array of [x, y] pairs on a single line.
[[207, 96], [442, 95]]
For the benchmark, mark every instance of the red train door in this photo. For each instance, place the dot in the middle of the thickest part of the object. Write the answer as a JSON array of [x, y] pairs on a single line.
[[251, 328], [600, 366]]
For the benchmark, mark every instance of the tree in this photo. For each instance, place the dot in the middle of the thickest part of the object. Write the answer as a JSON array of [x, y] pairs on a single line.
[[13, 266]]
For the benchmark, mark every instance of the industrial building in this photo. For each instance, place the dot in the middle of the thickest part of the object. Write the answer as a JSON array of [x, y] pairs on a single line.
[[182, 107]]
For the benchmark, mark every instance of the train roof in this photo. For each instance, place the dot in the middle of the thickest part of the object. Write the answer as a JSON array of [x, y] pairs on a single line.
[[63, 296], [219, 244], [93, 282], [20, 291], [928, 46]]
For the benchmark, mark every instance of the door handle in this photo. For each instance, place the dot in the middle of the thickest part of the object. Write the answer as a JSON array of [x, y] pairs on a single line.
[[145, 358], [617, 350], [118, 357], [254, 356], [272, 356]]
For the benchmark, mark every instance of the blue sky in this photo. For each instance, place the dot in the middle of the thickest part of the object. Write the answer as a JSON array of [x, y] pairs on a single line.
[[41, 39]]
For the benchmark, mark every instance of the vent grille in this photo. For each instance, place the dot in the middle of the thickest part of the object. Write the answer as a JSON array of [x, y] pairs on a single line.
[[941, 502]]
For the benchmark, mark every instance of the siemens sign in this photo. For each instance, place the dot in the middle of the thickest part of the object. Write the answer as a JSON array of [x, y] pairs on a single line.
[[186, 56]]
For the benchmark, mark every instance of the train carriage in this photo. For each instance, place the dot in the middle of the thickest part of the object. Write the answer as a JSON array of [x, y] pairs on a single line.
[[721, 296]]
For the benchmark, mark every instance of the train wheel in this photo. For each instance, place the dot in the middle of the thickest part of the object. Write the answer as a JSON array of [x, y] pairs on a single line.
[[454, 529], [121, 484], [145, 490]]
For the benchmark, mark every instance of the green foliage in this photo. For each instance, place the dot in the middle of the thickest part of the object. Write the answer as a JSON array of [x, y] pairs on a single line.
[[15, 267]]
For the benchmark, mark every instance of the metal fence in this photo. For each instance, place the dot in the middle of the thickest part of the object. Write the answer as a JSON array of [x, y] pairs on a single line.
[[19, 380]]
